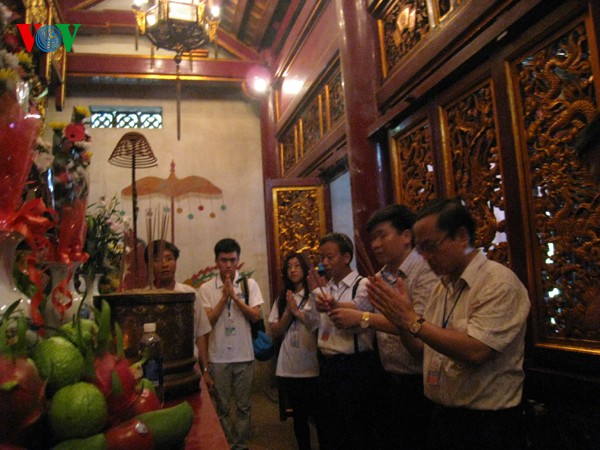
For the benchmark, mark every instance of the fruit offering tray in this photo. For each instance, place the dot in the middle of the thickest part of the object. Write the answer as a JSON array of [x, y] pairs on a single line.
[[72, 387]]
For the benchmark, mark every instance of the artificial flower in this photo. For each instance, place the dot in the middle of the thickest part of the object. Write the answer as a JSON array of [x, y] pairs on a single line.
[[11, 41], [43, 161], [75, 132], [8, 60], [25, 58], [5, 14], [57, 126], [71, 159], [81, 113], [86, 157], [7, 74]]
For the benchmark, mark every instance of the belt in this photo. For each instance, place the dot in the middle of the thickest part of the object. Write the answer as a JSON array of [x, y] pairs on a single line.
[[466, 413], [345, 356]]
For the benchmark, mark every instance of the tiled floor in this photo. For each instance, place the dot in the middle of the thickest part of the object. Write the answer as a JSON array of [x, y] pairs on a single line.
[[268, 432]]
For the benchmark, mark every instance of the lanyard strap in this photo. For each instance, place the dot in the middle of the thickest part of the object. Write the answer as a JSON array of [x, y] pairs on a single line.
[[358, 277], [300, 306], [446, 319]]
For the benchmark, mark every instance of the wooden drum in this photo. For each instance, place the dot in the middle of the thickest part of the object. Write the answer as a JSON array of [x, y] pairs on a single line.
[[173, 313]]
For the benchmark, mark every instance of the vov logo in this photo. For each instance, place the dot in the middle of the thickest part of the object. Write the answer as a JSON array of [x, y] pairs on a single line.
[[48, 38]]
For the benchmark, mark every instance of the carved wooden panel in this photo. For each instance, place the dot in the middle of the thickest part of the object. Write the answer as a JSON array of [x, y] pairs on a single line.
[[299, 220], [405, 23], [322, 108], [402, 28], [472, 150], [39, 11], [444, 7], [335, 98], [288, 147], [312, 124], [413, 168], [556, 98]]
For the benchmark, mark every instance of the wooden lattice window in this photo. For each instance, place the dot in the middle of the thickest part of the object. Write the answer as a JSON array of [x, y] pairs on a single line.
[[126, 117]]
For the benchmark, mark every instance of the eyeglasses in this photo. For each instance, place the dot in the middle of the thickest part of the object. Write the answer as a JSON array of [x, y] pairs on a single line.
[[430, 246]]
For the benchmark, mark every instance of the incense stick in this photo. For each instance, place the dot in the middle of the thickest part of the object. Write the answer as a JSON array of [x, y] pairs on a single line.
[[149, 271], [157, 227], [311, 272], [362, 253]]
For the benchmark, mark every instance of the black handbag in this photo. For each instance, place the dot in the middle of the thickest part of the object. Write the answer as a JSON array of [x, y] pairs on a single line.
[[261, 341]]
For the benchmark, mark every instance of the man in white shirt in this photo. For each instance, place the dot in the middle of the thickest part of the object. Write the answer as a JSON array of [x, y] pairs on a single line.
[[350, 369], [164, 257], [230, 352]]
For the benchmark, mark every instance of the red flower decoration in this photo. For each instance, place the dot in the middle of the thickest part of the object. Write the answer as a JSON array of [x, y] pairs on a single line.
[[11, 42], [75, 132]]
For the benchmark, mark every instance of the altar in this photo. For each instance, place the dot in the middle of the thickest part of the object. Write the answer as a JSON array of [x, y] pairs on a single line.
[[206, 432]]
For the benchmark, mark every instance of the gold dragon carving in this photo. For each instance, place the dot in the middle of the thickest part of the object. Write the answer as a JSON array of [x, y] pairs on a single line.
[[558, 98], [299, 215], [475, 157], [415, 182]]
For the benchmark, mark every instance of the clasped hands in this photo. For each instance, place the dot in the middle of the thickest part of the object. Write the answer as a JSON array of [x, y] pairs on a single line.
[[229, 291], [392, 301], [342, 314], [291, 303]]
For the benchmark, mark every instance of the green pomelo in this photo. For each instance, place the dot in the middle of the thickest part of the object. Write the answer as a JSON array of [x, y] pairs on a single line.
[[59, 362], [77, 411], [88, 330]]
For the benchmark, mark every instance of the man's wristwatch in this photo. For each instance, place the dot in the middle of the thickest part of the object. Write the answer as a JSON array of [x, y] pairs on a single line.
[[364, 323], [415, 327]]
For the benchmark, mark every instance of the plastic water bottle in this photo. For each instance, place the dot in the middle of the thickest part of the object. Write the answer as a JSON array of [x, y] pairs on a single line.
[[153, 367]]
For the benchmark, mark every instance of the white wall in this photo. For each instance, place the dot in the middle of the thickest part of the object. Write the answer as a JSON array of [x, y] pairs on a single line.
[[220, 141]]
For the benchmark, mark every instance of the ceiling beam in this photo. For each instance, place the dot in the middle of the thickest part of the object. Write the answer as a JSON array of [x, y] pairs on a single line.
[[238, 18], [264, 22], [144, 67], [102, 22], [235, 47]]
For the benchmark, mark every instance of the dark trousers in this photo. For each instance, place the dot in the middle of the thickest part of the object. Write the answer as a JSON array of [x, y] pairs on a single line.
[[350, 396], [301, 395], [462, 429], [406, 412]]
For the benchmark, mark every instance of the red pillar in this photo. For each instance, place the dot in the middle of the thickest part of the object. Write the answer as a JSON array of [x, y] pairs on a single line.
[[359, 63]]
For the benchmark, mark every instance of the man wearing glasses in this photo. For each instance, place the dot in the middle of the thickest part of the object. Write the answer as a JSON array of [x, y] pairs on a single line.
[[472, 332]]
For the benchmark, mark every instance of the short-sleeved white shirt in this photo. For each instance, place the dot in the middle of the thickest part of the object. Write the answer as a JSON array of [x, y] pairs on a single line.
[[298, 352], [201, 322], [230, 347], [333, 340], [419, 280], [492, 308]]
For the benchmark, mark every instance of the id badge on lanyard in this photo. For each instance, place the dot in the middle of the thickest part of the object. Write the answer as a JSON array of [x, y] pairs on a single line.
[[229, 321], [294, 335], [435, 370]]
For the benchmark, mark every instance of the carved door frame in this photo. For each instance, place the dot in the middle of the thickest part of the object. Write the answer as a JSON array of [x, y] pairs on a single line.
[[303, 203]]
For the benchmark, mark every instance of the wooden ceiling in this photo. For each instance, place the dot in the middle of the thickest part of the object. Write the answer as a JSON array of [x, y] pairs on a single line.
[[247, 26]]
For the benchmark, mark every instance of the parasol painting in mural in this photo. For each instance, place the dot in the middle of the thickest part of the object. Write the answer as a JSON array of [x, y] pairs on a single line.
[[175, 189]]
